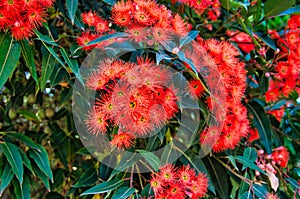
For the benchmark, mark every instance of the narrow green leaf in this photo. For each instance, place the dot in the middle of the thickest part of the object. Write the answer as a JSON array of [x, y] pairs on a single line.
[[88, 178], [235, 187], [247, 163], [23, 138], [218, 176], [152, 159], [244, 187], [42, 160], [246, 195], [259, 190], [25, 188], [73, 64], [128, 160], [14, 158], [105, 170], [6, 177], [10, 51], [225, 4], [45, 39], [266, 39], [123, 192], [250, 154], [72, 7], [28, 55], [26, 160], [28, 115], [262, 123], [106, 37], [42, 176], [232, 160], [104, 187], [275, 7], [48, 63]]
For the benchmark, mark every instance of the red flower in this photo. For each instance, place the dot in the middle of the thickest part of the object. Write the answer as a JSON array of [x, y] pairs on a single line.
[[122, 140], [96, 122], [271, 196], [21, 30], [254, 135], [280, 156], [196, 88]]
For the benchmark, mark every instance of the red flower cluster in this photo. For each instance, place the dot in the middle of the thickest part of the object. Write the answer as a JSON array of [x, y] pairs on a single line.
[[233, 76], [280, 156], [20, 17], [213, 7], [137, 98], [97, 27], [242, 39], [180, 183], [286, 78], [136, 14]]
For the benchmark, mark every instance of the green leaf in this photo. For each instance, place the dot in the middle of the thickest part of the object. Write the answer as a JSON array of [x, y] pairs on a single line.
[[28, 115], [26, 161], [106, 37], [123, 192], [128, 160], [244, 187], [259, 190], [291, 11], [218, 176], [250, 154], [14, 158], [152, 159], [262, 123], [235, 187], [48, 63], [72, 7], [105, 170], [73, 64], [42, 176], [104, 187], [45, 39], [275, 7], [21, 137], [266, 39], [28, 55], [248, 164], [6, 177], [246, 195], [110, 2], [10, 51], [232, 160], [42, 160], [25, 188], [88, 178]]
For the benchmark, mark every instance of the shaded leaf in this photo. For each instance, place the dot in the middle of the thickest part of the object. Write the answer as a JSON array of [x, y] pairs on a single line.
[[28, 115], [266, 39], [6, 177], [28, 55], [248, 163], [262, 123], [14, 158], [259, 190], [10, 51], [42, 176], [104, 187], [106, 37], [152, 159], [123, 192], [21, 137], [72, 7], [42, 160], [218, 176], [88, 178], [48, 63], [275, 7]]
